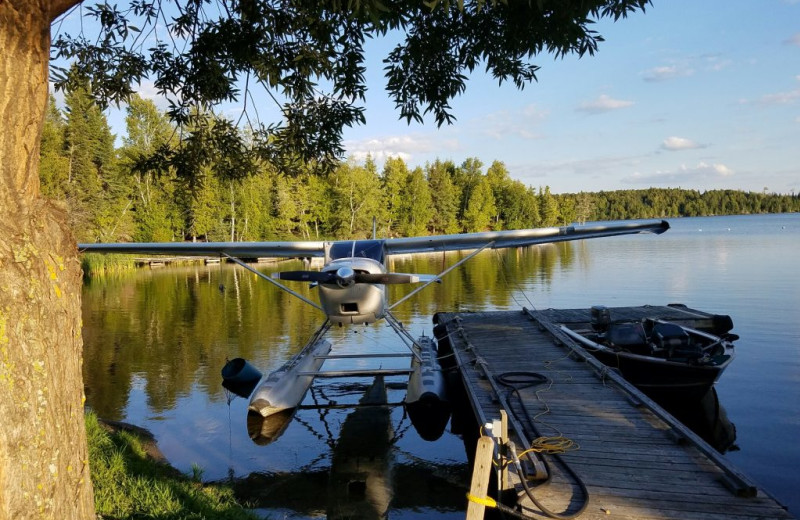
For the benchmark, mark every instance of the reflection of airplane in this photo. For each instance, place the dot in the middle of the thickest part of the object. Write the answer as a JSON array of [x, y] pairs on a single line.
[[352, 283], [360, 483], [360, 478], [368, 475]]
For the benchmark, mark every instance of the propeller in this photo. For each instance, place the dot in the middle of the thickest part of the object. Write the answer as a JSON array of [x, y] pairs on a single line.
[[345, 276], [306, 276]]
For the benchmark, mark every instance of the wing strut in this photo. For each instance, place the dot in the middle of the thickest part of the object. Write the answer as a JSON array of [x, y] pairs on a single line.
[[438, 277], [404, 334], [270, 280]]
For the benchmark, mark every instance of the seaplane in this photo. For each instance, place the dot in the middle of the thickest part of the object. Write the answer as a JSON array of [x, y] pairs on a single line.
[[351, 289]]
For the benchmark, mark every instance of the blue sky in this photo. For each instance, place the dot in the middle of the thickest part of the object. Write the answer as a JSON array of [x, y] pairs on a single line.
[[691, 94]]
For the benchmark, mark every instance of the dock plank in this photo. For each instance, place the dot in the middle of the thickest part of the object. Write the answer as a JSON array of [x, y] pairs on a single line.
[[636, 461]]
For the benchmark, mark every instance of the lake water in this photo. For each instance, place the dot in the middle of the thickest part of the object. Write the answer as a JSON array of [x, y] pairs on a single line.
[[156, 340]]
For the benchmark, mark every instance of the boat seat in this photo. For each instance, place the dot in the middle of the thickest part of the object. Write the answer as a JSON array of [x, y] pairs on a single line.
[[675, 341], [627, 334]]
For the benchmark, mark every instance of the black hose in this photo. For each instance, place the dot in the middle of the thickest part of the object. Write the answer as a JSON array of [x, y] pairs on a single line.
[[517, 381]]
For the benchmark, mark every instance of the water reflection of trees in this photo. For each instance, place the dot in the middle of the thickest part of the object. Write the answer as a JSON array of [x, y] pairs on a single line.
[[172, 330]]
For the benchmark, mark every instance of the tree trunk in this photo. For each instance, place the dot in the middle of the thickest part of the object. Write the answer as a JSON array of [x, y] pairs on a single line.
[[44, 471]]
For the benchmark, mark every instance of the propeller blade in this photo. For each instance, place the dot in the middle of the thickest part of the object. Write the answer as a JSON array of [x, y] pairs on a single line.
[[392, 278], [347, 276], [306, 276]]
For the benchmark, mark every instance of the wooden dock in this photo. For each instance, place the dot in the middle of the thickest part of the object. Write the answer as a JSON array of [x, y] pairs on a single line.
[[636, 461]]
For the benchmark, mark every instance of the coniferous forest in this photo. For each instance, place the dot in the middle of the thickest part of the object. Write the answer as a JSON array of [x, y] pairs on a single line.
[[113, 195]]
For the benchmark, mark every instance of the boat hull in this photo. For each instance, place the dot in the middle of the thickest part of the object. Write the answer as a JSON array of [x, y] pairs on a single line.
[[661, 378], [661, 367]]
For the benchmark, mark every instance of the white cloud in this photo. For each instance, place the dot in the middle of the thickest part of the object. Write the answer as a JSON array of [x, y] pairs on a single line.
[[402, 146], [680, 143], [602, 104], [780, 98], [665, 73], [147, 90], [717, 170], [683, 176]]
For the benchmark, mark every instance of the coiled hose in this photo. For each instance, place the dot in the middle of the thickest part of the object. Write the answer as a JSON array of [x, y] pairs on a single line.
[[516, 381]]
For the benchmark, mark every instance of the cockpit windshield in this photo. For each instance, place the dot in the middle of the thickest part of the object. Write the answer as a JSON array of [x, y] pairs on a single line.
[[358, 249]]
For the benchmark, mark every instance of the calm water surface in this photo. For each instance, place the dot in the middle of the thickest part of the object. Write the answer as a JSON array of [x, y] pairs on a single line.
[[156, 340]]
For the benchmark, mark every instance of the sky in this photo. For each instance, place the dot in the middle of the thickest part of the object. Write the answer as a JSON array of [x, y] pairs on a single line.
[[691, 94]]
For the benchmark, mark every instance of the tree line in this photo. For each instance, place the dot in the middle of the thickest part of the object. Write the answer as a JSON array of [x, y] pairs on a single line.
[[114, 194]]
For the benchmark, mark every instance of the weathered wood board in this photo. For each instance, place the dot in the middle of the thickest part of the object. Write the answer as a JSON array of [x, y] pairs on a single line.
[[636, 461]]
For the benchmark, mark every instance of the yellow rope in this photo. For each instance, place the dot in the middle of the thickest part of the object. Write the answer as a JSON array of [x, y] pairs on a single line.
[[485, 501], [551, 445]]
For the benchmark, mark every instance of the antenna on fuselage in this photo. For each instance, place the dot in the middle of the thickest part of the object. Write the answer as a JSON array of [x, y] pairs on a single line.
[[374, 228]]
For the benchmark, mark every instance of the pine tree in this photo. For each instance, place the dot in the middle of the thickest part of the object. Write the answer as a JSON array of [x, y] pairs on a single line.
[[153, 188], [548, 207], [445, 197], [95, 192], [393, 182], [466, 178], [480, 208], [417, 204], [54, 165], [502, 190]]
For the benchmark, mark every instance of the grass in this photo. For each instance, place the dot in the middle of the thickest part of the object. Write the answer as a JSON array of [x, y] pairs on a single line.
[[129, 484], [96, 264]]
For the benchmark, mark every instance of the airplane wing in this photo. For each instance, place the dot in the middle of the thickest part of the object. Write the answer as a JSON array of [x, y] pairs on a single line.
[[295, 249], [518, 238], [234, 249]]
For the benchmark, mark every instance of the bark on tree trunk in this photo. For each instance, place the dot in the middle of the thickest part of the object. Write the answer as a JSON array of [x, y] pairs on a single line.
[[44, 471]]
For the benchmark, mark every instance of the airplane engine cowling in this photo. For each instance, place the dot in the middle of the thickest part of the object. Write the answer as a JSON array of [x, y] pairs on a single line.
[[357, 302]]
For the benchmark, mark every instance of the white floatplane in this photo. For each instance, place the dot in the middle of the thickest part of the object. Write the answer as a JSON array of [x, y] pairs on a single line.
[[352, 290]]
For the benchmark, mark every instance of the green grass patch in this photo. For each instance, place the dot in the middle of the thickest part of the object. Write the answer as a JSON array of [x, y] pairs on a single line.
[[128, 484], [98, 264]]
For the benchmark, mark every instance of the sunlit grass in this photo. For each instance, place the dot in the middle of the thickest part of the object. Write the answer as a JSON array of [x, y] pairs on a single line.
[[128, 484], [97, 264]]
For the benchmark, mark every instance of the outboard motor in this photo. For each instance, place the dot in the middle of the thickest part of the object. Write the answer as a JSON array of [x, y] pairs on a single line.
[[601, 318]]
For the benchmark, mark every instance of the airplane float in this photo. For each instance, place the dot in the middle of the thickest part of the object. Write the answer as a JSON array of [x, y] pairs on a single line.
[[352, 290]]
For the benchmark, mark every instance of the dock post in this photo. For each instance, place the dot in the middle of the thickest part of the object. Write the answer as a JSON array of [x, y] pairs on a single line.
[[481, 472], [504, 483]]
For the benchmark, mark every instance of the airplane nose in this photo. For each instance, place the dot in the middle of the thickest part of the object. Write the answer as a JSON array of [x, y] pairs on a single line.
[[345, 276]]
